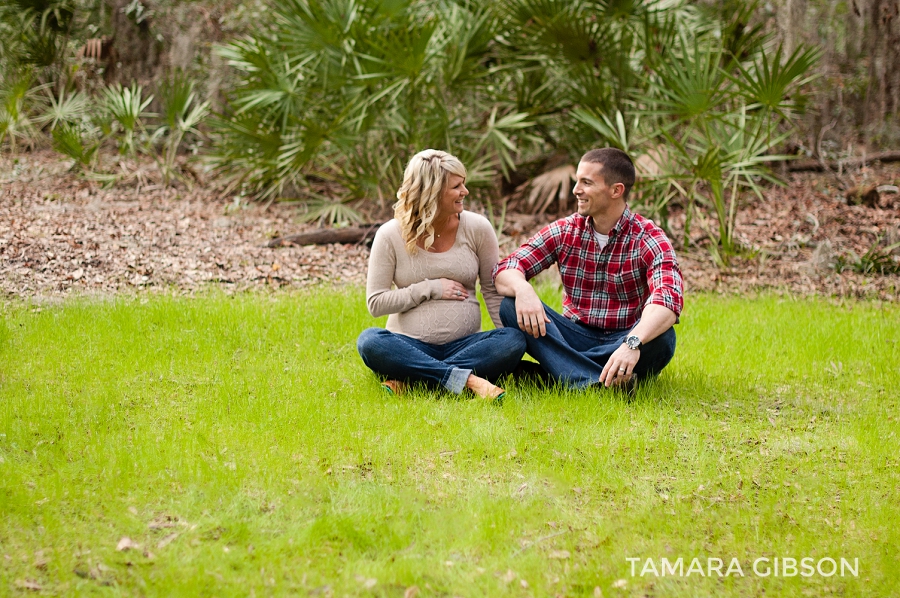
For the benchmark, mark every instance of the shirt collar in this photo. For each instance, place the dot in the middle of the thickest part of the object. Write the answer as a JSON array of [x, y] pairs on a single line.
[[624, 219]]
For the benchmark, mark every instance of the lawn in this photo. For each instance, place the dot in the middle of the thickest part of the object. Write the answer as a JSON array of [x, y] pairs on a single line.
[[235, 446]]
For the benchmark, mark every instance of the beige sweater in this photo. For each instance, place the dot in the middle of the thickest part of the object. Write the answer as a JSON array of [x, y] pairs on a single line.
[[415, 305]]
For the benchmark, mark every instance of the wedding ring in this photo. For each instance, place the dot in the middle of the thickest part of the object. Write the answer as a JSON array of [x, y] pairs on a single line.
[[458, 293], [621, 369]]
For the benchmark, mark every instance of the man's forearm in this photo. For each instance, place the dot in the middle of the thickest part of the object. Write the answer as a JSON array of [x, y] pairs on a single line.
[[529, 310], [655, 320], [509, 282]]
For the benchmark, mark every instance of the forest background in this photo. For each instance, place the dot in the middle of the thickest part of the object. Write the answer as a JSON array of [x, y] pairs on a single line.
[[164, 445], [320, 102]]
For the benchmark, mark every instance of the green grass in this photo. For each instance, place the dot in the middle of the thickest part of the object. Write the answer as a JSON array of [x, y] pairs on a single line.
[[243, 445]]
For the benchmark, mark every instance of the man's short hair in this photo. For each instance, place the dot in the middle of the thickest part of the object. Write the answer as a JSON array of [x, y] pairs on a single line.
[[617, 167]]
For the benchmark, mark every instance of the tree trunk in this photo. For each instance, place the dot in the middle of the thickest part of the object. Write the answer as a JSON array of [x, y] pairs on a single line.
[[137, 52], [883, 41]]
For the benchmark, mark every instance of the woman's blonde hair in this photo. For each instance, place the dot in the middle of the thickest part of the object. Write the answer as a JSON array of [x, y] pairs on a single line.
[[417, 200]]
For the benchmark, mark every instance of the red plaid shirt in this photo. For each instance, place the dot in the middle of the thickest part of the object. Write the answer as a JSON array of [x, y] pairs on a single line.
[[606, 289]]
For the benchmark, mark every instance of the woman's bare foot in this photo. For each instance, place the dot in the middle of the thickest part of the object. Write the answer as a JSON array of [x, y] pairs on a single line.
[[484, 389]]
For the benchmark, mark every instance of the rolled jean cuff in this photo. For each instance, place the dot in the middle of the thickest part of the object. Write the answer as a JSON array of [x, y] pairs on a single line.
[[456, 380]]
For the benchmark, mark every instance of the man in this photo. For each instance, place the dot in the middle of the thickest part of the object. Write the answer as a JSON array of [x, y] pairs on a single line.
[[621, 282]]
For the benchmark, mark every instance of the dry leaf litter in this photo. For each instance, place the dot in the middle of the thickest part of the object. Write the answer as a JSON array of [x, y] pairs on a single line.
[[61, 235]]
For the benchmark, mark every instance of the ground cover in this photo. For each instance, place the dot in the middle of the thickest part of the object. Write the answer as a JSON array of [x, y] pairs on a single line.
[[236, 445], [61, 235]]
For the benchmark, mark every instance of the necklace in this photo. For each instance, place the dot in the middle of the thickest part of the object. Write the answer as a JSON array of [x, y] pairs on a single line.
[[437, 235]]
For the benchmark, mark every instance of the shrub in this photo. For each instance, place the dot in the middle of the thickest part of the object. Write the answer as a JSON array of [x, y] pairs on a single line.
[[346, 91]]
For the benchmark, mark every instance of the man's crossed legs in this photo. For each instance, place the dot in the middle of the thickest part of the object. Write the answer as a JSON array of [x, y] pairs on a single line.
[[575, 354]]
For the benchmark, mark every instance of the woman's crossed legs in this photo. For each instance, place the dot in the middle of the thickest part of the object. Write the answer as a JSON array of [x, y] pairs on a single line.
[[487, 355]]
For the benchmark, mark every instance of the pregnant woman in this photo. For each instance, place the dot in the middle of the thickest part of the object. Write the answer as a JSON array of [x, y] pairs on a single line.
[[422, 272]]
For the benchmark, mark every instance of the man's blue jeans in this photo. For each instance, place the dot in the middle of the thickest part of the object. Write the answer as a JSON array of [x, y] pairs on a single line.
[[489, 354], [575, 353]]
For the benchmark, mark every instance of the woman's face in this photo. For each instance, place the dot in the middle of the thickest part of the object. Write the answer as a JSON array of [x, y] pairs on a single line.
[[452, 199]]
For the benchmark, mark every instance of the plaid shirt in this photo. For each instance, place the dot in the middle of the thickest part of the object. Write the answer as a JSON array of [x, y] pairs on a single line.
[[605, 289]]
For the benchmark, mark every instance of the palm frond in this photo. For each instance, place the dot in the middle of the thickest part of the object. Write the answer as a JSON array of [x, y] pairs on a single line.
[[771, 84], [68, 108], [614, 134], [126, 106], [17, 94], [694, 86], [67, 140], [553, 184], [329, 211]]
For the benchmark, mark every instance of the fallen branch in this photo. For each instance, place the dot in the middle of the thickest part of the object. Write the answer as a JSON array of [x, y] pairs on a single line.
[[324, 236], [822, 166]]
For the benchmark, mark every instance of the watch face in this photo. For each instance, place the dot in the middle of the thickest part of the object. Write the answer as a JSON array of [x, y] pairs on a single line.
[[633, 342]]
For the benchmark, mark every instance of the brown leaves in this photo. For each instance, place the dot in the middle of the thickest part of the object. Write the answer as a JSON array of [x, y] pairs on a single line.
[[59, 234], [98, 572], [164, 521], [127, 543], [863, 195], [40, 561], [28, 584], [166, 541]]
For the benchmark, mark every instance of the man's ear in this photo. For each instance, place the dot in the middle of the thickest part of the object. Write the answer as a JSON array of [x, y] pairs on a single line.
[[618, 190]]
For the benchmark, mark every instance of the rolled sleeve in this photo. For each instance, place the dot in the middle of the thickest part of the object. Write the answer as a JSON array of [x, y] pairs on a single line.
[[507, 263], [664, 279]]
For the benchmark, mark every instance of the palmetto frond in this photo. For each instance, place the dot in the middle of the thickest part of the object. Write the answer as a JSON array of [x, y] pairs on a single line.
[[325, 210], [127, 107], [615, 135], [17, 97], [69, 107], [694, 85], [555, 184], [347, 90], [68, 140], [770, 84]]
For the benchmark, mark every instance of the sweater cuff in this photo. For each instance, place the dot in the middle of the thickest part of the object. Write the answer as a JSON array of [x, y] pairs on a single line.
[[425, 290], [436, 289]]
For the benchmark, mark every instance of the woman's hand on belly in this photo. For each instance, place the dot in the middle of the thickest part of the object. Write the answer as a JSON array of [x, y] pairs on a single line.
[[453, 291]]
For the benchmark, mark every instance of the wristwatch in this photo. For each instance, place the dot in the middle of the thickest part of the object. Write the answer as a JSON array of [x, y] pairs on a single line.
[[633, 342]]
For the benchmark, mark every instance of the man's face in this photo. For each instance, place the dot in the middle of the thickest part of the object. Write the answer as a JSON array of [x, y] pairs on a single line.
[[594, 196]]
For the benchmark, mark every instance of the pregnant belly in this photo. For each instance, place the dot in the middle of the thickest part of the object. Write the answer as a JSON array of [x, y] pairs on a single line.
[[438, 322]]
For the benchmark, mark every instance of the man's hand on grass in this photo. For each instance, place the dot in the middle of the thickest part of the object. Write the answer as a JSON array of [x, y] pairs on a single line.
[[620, 367]]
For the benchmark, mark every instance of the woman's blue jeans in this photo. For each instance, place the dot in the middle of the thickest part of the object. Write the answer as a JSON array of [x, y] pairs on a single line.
[[489, 354], [575, 353]]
